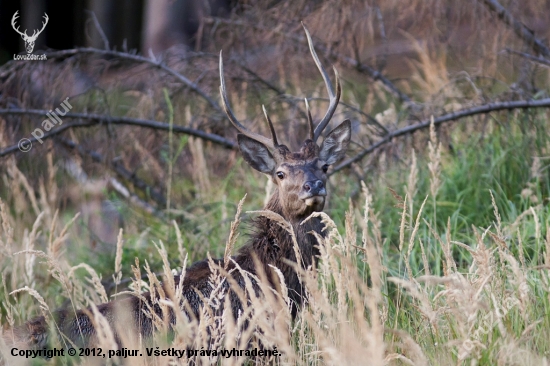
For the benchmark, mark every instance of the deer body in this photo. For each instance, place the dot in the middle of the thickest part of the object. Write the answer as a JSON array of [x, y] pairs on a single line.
[[300, 179], [270, 243]]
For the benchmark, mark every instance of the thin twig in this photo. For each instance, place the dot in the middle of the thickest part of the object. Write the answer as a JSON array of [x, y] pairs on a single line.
[[279, 92], [274, 88], [526, 34], [94, 119], [284, 97], [370, 119], [486, 108], [99, 29], [242, 66], [137, 58], [260, 79], [133, 198], [540, 60], [375, 75]]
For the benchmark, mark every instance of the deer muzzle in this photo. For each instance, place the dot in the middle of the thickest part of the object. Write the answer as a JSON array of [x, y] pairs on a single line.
[[314, 193], [315, 188]]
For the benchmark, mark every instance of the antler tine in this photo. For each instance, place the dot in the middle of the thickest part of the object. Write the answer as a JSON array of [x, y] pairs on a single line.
[[271, 128], [46, 19], [13, 19], [334, 98], [309, 120], [225, 102]]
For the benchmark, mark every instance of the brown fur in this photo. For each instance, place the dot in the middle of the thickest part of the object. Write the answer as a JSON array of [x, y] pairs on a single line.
[[300, 178], [269, 243]]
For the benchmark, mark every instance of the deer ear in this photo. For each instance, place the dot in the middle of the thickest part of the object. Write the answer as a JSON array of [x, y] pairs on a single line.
[[336, 143], [256, 154]]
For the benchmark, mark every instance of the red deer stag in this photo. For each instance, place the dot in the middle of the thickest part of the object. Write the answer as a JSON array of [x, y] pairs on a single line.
[[300, 180]]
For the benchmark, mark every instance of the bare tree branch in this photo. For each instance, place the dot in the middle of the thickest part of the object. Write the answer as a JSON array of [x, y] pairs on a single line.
[[124, 174], [94, 119], [99, 29], [375, 75], [526, 34], [133, 198], [486, 108], [540, 60], [272, 87], [137, 58]]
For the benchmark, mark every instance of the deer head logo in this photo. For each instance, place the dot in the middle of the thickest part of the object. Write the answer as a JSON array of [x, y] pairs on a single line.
[[29, 41]]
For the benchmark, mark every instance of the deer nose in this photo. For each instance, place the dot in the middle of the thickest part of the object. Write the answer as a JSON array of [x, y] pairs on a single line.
[[315, 188]]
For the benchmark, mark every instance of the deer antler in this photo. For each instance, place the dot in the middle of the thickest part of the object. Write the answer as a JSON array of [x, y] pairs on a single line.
[[334, 98], [225, 102], [309, 120], [314, 134], [15, 16], [271, 129]]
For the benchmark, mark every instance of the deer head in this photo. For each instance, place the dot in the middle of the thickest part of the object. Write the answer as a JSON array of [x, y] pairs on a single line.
[[299, 176], [29, 41]]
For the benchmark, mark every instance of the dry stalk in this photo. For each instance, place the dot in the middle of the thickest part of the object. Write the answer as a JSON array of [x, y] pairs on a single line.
[[6, 240], [233, 233], [95, 281], [411, 241], [181, 250], [54, 248], [434, 164], [117, 276]]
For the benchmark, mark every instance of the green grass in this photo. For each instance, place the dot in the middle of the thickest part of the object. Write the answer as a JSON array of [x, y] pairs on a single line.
[[497, 162]]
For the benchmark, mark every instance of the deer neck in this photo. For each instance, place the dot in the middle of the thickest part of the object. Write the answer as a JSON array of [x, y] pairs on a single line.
[[274, 244]]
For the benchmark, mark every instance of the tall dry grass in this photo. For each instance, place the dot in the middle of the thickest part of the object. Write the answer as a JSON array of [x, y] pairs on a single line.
[[444, 54], [485, 312], [444, 283]]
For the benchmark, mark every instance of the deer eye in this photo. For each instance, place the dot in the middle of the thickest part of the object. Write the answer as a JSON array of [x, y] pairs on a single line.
[[325, 168], [280, 175]]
